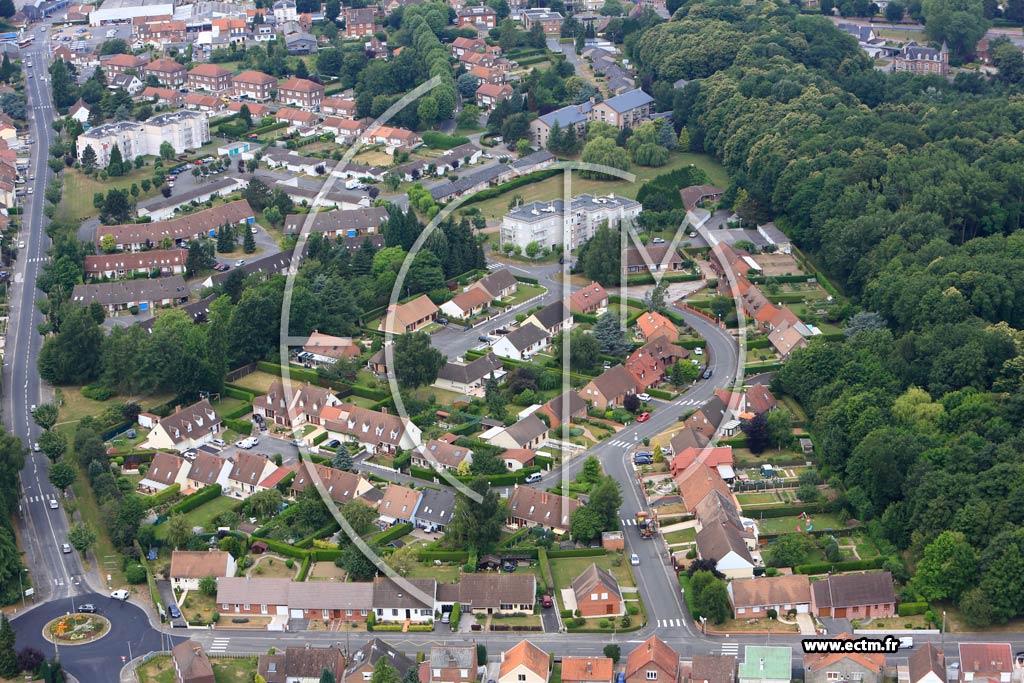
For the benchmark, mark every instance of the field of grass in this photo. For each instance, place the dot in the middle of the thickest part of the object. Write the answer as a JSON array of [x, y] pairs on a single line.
[[274, 568], [681, 536], [79, 188], [443, 574], [199, 607], [552, 188], [257, 381], [755, 498], [564, 570], [788, 525], [524, 292], [89, 509], [204, 514]]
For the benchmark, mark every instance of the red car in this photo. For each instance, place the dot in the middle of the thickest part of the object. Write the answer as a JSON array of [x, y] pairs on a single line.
[[643, 417]]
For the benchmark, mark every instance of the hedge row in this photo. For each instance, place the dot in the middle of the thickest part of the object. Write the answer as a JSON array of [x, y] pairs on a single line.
[[240, 426], [543, 461], [582, 552], [158, 499], [781, 279], [443, 555], [325, 554], [762, 343], [392, 534], [584, 318], [832, 567], [660, 393], [304, 570], [528, 280], [282, 548], [299, 374], [367, 392], [239, 393], [758, 369], [192, 501], [909, 609], [527, 179], [783, 511], [268, 129], [738, 442], [237, 412], [320, 438], [648, 278], [322, 532]]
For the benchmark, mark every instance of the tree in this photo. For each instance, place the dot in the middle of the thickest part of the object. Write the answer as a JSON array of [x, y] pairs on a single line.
[[258, 194], [200, 257], [115, 163], [342, 460], [208, 586], [416, 361], [779, 424], [30, 659], [117, 208], [248, 241], [894, 12], [789, 550], [604, 152], [327, 676], [265, 503], [45, 415], [958, 23], [601, 257], [476, 524], [81, 537], [358, 566], [710, 597], [166, 151], [384, 672], [610, 336], [606, 497], [683, 372], [948, 568], [654, 300], [53, 444], [494, 398], [8, 658], [179, 531], [62, 475], [1007, 58], [976, 608], [613, 652], [88, 159], [73, 355], [585, 524], [427, 110], [7, 9], [360, 516], [757, 433], [467, 84]]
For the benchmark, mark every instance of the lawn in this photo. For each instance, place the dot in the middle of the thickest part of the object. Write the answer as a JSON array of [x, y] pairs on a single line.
[[73, 406], [552, 188], [681, 536], [79, 189], [565, 570], [273, 567], [787, 525], [227, 405], [233, 670], [204, 514], [106, 555], [359, 401], [524, 620], [448, 573], [199, 608], [257, 381], [524, 292], [156, 670], [755, 498]]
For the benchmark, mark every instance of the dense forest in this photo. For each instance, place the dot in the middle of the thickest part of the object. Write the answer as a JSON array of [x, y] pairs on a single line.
[[908, 192]]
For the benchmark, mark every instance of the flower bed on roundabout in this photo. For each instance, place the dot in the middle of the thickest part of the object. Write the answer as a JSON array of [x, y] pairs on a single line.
[[76, 629]]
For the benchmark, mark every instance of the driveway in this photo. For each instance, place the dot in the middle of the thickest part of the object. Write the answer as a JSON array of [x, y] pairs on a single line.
[[163, 586]]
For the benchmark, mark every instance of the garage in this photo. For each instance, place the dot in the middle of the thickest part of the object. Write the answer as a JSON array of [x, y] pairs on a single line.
[[296, 614]]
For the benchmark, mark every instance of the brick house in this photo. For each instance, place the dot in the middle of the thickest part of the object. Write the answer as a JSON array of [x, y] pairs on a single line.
[[254, 85], [589, 300], [301, 93], [587, 670], [191, 665], [531, 507], [524, 663], [927, 665], [359, 22], [627, 110], [360, 666], [858, 667], [210, 77], [597, 593], [550, 22], [188, 567], [755, 596], [610, 388], [854, 596], [120, 64], [652, 661], [477, 16], [168, 73], [301, 663]]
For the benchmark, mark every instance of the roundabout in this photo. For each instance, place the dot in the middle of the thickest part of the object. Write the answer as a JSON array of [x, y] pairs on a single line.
[[76, 629]]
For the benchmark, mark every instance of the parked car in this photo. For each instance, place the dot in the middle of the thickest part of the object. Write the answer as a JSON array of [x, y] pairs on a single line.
[[446, 618], [65, 548], [87, 608], [219, 442], [534, 477], [239, 263], [707, 374], [442, 321], [508, 567], [698, 351], [546, 601], [333, 443], [245, 444], [634, 559], [643, 460], [484, 338], [174, 612], [120, 594], [658, 240], [643, 417], [644, 397]]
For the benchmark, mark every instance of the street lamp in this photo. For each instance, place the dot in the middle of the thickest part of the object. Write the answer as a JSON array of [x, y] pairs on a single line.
[[21, 587], [704, 624]]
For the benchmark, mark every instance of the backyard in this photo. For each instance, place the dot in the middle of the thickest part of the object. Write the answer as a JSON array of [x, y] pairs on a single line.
[[225, 670], [564, 570], [204, 515], [199, 608], [274, 567], [793, 524], [258, 381]]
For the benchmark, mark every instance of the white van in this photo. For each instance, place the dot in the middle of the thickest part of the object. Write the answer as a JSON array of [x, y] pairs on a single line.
[[906, 642], [534, 478]]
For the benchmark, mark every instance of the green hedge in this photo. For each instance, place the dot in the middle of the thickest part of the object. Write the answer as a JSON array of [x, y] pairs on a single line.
[[660, 393], [781, 279], [282, 548], [758, 369], [422, 473], [423, 628], [648, 278], [527, 179], [582, 552], [237, 412], [240, 394], [323, 531], [443, 555], [761, 343], [395, 532], [584, 318], [320, 438], [832, 567], [325, 554], [158, 499], [304, 570], [367, 392], [544, 461], [527, 280], [240, 426], [739, 442], [192, 501], [754, 512], [436, 140], [297, 374], [909, 609]]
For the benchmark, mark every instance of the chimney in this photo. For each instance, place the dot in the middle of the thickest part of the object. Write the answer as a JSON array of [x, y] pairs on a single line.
[[384, 410], [177, 408]]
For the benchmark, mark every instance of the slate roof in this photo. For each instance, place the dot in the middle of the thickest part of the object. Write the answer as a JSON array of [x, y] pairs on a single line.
[[473, 371], [488, 589], [553, 314], [850, 590], [497, 282], [591, 578], [568, 116], [436, 506], [122, 292], [770, 590], [526, 430], [388, 594], [713, 669], [526, 336], [716, 540], [374, 650], [629, 101]]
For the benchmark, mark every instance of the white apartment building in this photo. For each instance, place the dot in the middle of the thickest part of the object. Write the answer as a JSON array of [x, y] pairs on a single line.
[[183, 129], [542, 222]]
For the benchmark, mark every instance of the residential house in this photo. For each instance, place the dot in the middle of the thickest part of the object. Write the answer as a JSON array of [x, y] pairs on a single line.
[[210, 105], [854, 596], [301, 93], [985, 663], [628, 110], [652, 325], [191, 665], [345, 131], [339, 223], [285, 10], [927, 664], [707, 418], [210, 77], [610, 388], [563, 408], [478, 16], [339, 602], [359, 22], [398, 505], [412, 600], [198, 225], [248, 471], [766, 664], [497, 593], [410, 316], [299, 405], [340, 485], [712, 669], [524, 662], [461, 46], [450, 664], [185, 428], [695, 195], [553, 318], [119, 64], [79, 111], [916, 59], [361, 665], [522, 343], [466, 304], [550, 22], [488, 95], [786, 340], [531, 507], [188, 567], [243, 595], [325, 349], [138, 295], [698, 481], [652, 661], [393, 139], [165, 470], [518, 458], [587, 669], [375, 431], [469, 378], [759, 399], [573, 115], [589, 300], [128, 82], [688, 438], [301, 664], [651, 363], [723, 543], [339, 106], [118, 265], [717, 457], [529, 433], [500, 284], [652, 259], [254, 85], [597, 593], [485, 74], [208, 469], [168, 73], [441, 456], [296, 118], [434, 511], [861, 667], [754, 597], [167, 97], [159, 33]]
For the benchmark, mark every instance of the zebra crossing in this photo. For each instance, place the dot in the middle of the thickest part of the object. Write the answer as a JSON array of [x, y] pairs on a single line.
[[730, 649], [621, 443], [628, 522], [670, 623], [37, 499], [220, 645], [687, 402], [494, 266], [38, 259]]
